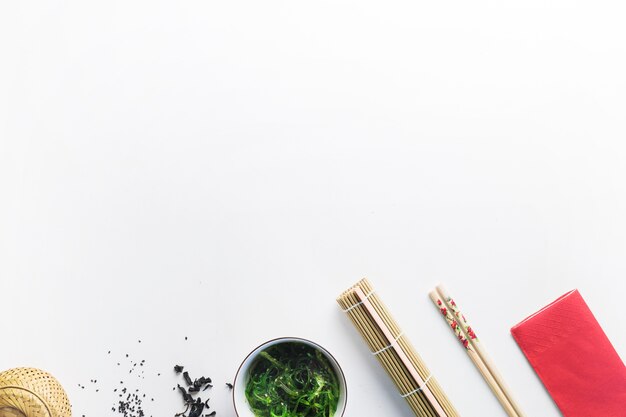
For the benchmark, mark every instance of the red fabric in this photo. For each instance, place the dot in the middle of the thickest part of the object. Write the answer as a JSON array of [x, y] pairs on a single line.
[[574, 359]]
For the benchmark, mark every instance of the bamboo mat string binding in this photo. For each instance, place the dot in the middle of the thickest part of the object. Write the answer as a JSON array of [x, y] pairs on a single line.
[[418, 389], [389, 346]]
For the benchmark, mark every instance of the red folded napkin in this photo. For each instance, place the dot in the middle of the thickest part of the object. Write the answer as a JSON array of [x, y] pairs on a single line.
[[574, 359]]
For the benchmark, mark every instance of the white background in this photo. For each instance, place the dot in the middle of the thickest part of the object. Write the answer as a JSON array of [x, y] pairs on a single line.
[[222, 170]]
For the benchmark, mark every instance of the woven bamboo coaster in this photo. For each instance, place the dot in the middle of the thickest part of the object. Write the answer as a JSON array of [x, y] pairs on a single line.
[[29, 392]]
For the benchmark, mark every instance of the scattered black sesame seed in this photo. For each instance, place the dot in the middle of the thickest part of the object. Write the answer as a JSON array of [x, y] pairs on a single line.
[[129, 401]]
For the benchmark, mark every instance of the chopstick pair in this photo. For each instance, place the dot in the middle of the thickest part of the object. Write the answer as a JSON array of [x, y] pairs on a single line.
[[466, 335]]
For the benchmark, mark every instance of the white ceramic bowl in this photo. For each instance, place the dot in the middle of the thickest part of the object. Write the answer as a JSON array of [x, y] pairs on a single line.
[[239, 387]]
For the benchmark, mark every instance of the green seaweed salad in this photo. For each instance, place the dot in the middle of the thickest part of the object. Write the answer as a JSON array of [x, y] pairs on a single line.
[[292, 379]]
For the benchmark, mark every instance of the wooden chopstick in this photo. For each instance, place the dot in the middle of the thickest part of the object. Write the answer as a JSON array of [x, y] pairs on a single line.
[[480, 349], [467, 336]]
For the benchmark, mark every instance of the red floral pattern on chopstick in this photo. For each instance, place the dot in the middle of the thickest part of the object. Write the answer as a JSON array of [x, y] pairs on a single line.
[[461, 318], [454, 324]]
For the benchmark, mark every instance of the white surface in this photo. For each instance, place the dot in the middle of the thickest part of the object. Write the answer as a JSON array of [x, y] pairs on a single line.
[[223, 170]]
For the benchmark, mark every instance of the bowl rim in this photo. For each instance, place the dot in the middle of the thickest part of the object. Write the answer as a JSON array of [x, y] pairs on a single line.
[[294, 339]]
